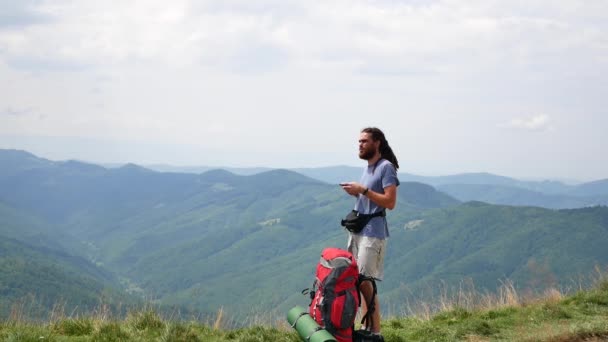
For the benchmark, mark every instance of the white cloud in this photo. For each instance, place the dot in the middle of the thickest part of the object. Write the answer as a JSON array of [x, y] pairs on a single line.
[[443, 35], [13, 112], [242, 75], [539, 122], [107, 34]]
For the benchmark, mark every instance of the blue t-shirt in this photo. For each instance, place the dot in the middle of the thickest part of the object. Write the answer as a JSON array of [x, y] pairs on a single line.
[[376, 177]]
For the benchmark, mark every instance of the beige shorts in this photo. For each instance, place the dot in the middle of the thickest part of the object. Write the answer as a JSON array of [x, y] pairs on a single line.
[[369, 253]]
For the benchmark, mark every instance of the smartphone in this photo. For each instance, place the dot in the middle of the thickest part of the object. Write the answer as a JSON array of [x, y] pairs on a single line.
[[343, 184]]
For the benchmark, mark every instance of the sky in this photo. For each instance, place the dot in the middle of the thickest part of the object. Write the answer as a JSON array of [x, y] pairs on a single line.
[[516, 88]]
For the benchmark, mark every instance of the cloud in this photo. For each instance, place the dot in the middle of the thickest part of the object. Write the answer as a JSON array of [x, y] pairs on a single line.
[[410, 36], [12, 112], [540, 122], [225, 73], [19, 14]]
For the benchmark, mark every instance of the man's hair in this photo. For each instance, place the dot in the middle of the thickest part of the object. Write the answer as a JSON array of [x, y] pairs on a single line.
[[385, 150]]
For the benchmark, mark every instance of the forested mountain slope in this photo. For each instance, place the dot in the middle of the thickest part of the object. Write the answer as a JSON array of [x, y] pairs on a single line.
[[251, 243]]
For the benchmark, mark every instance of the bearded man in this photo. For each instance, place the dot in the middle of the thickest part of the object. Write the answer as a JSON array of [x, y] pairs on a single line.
[[376, 191]]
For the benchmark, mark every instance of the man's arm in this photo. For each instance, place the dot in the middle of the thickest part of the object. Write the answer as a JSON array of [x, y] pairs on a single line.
[[386, 200]]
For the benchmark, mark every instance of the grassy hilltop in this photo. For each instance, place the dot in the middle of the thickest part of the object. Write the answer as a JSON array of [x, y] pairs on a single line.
[[468, 316], [74, 235]]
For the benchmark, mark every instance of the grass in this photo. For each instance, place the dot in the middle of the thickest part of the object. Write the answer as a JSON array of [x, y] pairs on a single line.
[[140, 326], [507, 316], [467, 316]]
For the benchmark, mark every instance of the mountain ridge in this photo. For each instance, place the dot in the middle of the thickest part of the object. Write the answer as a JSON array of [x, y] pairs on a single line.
[[216, 239]]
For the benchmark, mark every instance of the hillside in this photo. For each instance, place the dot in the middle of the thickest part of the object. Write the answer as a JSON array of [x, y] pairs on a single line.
[[232, 242], [36, 270], [184, 238], [250, 243], [490, 188], [484, 187], [581, 316], [534, 247], [15, 161], [595, 188], [481, 186], [510, 195], [336, 174], [551, 317], [43, 278]]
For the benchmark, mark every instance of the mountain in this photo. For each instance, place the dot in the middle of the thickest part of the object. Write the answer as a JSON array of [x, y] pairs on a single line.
[[464, 178], [490, 188], [336, 174], [15, 161], [480, 186], [178, 234], [333, 174], [63, 190], [509, 195], [243, 171], [596, 188], [251, 243], [484, 178], [534, 247], [263, 236], [485, 187], [38, 272]]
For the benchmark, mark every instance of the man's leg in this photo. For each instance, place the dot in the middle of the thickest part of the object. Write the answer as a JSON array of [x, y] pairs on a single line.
[[370, 258], [367, 290]]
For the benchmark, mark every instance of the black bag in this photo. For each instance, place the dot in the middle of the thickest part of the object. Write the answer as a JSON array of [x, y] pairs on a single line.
[[355, 221], [366, 336]]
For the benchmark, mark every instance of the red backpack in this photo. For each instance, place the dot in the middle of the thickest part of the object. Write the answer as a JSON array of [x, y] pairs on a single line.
[[335, 296]]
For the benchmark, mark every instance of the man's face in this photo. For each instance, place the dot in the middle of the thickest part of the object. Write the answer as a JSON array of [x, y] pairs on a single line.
[[367, 146]]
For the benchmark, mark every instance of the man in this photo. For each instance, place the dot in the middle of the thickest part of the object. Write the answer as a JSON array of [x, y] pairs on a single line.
[[375, 192]]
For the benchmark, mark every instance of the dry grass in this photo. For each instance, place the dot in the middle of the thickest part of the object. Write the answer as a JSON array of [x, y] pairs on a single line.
[[466, 296], [218, 320], [456, 312]]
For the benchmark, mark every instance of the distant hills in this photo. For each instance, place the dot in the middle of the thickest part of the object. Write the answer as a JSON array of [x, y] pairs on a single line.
[[38, 271], [484, 187], [482, 243], [170, 233], [509, 195], [249, 243], [503, 190], [491, 188]]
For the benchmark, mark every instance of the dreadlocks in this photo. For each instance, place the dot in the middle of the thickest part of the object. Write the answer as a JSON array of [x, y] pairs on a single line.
[[385, 150]]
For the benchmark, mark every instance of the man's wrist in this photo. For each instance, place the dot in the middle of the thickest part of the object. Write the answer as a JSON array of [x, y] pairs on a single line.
[[365, 191]]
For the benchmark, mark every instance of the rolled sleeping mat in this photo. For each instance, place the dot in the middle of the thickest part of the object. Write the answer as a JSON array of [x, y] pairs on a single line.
[[306, 326]]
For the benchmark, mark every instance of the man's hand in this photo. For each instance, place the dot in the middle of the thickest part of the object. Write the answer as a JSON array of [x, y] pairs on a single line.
[[353, 188], [387, 200]]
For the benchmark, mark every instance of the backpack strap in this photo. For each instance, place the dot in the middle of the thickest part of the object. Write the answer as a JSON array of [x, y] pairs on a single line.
[[381, 213], [313, 332], [371, 306], [297, 318]]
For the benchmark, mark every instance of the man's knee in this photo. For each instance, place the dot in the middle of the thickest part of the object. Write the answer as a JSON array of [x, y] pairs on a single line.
[[366, 288]]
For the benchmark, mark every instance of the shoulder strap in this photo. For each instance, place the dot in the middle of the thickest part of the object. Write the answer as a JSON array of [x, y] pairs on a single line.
[[376, 214], [376, 164]]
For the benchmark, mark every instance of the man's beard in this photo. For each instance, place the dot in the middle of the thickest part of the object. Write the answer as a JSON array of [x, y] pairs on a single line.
[[367, 154]]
